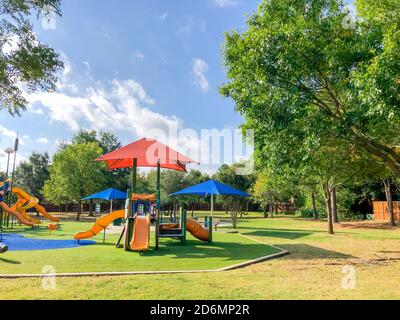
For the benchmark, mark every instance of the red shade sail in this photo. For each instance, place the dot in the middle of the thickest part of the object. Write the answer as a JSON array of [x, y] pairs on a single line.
[[147, 152]]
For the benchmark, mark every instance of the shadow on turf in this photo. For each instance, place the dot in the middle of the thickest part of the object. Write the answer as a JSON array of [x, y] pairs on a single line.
[[193, 249], [307, 252], [279, 233], [9, 261]]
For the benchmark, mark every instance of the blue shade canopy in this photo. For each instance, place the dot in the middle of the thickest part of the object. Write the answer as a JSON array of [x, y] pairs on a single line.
[[109, 194], [211, 187]]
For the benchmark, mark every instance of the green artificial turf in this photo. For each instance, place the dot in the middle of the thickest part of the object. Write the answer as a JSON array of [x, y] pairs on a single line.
[[227, 249]]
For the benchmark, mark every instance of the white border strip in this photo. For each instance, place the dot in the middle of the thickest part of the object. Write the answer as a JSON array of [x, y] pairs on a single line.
[[132, 273]]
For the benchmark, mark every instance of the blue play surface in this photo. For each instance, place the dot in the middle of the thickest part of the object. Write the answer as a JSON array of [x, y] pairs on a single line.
[[16, 242]]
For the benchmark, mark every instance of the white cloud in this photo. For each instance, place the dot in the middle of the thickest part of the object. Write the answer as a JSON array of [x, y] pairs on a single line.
[[11, 44], [43, 140], [106, 34], [49, 19], [117, 105], [35, 110], [7, 132], [187, 28], [139, 55], [87, 65], [164, 16], [3, 161], [225, 3], [200, 68], [11, 135]]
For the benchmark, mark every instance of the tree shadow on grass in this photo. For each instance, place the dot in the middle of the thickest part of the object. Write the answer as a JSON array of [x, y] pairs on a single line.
[[9, 261], [307, 252], [222, 250], [279, 233], [282, 229]]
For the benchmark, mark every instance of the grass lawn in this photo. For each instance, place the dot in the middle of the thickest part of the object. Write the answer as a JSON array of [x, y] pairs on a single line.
[[313, 270], [227, 249]]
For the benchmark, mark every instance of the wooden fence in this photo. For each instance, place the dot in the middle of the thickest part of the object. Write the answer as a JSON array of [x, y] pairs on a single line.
[[282, 207], [381, 212]]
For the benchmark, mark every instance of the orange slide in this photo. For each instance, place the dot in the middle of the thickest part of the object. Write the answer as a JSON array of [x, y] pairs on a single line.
[[45, 214], [19, 216], [26, 202], [197, 230], [141, 234], [100, 225]]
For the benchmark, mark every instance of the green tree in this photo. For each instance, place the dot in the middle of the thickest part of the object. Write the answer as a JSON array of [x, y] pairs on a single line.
[[383, 11], [228, 175], [32, 174], [23, 59], [298, 73], [74, 174], [271, 188], [108, 142], [193, 178]]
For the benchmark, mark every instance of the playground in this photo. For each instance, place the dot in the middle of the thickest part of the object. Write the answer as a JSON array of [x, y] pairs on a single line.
[[268, 258], [228, 249], [144, 241]]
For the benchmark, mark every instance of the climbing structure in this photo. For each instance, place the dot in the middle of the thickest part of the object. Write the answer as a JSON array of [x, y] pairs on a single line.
[[26, 202]]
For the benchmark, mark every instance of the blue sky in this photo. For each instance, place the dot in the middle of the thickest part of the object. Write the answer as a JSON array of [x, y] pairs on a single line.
[[132, 66]]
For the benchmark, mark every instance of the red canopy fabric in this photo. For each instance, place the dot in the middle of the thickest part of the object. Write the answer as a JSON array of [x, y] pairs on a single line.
[[147, 152]]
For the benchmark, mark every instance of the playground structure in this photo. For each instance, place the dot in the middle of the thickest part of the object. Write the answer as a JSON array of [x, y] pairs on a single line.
[[143, 212], [141, 209], [100, 225], [180, 224], [138, 239], [143, 153], [26, 202], [21, 206]]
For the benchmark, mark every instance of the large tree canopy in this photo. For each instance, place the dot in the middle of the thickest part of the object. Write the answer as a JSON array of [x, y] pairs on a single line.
[[23, 59], [32, 174], [74, 174], [298, 73]]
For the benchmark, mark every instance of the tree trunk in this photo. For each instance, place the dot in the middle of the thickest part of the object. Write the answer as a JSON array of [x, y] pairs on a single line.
[[328, 205], [266, 211], [78, 216], [389, 200], [335, 216], [91, 208], [314, 207]]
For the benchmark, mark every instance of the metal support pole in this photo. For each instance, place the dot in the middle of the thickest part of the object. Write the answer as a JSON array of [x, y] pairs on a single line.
[[212, 204], [158, 204], [210, 228], [183, 225], [130, 221]]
